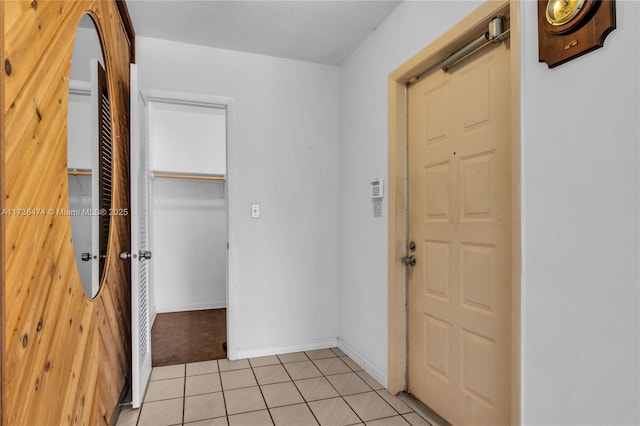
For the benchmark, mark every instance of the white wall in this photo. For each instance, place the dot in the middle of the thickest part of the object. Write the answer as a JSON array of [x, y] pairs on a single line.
[[188, 217], [79, 132], [363, 156], [187, 138], [284, 155], [189, 229], [580, 189], [80, 200], [580, 228]]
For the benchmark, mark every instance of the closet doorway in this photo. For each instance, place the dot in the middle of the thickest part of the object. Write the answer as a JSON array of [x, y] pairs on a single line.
[[187, 137]]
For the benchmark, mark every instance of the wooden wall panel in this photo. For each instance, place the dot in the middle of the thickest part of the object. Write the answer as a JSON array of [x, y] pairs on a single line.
[[65, 359], [2, 110]]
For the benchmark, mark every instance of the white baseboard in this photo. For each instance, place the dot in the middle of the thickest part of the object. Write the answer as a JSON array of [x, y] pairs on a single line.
[[153, 314], [309, 345], [199, 306], [362, 362]]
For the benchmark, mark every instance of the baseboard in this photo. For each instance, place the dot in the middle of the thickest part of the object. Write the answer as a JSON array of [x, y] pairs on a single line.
[[285, 349], [153, 314], [310, 345], [362, 362], [163, 309]]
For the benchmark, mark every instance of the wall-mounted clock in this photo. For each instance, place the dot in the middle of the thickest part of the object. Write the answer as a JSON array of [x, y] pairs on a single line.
[[570, 28]]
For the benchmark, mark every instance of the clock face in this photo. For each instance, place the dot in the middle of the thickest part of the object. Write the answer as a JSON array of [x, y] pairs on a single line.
[[559, 12]]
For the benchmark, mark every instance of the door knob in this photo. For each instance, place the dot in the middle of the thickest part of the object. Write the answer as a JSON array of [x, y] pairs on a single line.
[[85, 257], [409, 260], [125, 255]]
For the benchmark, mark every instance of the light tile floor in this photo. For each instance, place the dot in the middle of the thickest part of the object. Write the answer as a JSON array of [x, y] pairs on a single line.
[[322, 387]]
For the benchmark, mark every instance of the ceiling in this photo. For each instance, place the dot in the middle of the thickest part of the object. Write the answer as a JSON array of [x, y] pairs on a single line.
[[318, 31]]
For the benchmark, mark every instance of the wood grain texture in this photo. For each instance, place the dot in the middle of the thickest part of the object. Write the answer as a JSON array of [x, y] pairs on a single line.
[[65, 359], [190, 336], [2, 322]]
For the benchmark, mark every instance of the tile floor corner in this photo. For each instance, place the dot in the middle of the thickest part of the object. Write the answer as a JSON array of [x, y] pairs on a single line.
[[321, 387]]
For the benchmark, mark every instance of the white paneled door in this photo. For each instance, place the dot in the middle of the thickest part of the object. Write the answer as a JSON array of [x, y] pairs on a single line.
[[139, 253], [460, 220]]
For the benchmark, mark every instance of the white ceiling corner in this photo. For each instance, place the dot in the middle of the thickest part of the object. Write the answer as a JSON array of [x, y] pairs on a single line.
[[321, 31]]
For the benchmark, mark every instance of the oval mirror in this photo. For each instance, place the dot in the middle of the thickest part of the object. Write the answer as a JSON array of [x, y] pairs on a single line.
[[88, 125]]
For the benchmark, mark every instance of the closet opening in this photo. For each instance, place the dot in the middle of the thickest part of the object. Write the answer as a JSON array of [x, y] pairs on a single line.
[[188, 229]]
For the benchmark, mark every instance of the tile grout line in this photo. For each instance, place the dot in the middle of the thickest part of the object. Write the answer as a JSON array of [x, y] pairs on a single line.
[[184, 392], [298, 389], [261, 393], [325, 376], [357, 393], [208, 393], [224, 399], [306, 402], [338, 392]]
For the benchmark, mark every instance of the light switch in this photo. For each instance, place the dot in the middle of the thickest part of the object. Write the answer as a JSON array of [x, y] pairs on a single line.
[[255, 211]]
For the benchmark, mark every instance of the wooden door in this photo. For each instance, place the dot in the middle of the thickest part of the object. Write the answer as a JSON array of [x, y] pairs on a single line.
[[460, 219]]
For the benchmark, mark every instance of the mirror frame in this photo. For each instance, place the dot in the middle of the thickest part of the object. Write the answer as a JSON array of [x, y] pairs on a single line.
[[102, 138]]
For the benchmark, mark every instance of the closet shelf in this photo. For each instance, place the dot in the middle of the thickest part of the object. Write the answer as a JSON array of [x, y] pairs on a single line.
[[199, 176], [79, 172]]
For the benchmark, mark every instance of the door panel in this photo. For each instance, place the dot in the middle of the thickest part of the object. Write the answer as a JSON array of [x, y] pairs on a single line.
[[140, 309], [98, 84], [460, 218]]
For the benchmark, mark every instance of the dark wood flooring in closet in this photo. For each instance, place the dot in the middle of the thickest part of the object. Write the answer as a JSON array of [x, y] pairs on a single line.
[[191, 336]]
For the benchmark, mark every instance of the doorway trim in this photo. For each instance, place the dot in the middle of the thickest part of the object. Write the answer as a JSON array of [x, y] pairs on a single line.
[[207, 100], [452, 40]]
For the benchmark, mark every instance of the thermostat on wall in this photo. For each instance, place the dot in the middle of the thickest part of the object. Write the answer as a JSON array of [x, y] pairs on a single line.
[[377, 188]]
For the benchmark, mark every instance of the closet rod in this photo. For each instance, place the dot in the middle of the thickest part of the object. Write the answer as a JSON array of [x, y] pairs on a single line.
[[187, 176], [79, 172]]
